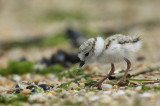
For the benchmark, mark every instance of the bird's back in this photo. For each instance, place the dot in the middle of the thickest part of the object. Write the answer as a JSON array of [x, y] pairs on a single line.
[[123, 40], [119, 46]]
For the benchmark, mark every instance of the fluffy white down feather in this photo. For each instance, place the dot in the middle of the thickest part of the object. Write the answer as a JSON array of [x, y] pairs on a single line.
[[116, 52]]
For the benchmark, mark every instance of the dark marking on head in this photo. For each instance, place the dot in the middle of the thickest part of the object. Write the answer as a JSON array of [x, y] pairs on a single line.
[[94, 43], [107, 45]]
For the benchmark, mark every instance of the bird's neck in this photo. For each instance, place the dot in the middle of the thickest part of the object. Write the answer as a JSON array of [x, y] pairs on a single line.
[[99, 45]]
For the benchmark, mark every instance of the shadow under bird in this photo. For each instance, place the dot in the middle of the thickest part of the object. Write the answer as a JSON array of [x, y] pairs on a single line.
[[114, 49]]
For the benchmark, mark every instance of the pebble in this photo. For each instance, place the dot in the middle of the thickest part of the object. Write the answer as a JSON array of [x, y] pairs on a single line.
[[16, 78], [2, 83], [44, 86], [107, 92], [39, 66], [130, 92], [155, 84], [106, 86], [26, 91], [105, 99], [38, 98], [111, 78], [119, 93], [115, 87], [18, 90], [107, 81], [138, 88], [122, 88], [73, 86], [117, 71], [80, 99], [52, 92], [83, 80], [91, 93], [81, 84], [93, 98], [31, 87], [145, 95]]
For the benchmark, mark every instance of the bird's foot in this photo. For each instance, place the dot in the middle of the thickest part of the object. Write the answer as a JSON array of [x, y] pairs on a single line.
[[121, 82], [98, 85]]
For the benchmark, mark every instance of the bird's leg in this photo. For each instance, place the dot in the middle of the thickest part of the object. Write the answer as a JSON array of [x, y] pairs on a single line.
[[126, 73], [98, 84]]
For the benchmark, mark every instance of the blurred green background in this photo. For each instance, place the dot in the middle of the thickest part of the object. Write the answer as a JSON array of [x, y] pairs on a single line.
[[22, 20]]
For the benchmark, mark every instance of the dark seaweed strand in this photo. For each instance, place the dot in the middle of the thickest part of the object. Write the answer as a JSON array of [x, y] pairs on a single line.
[[130, 41]]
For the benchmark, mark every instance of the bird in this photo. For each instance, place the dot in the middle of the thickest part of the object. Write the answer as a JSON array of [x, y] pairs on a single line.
[[111, 50]]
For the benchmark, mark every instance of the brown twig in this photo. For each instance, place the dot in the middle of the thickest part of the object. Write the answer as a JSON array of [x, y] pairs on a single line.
[[140, 70], [143, 82]]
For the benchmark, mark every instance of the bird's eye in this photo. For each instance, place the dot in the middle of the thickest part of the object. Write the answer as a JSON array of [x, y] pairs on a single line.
[[87, 54]]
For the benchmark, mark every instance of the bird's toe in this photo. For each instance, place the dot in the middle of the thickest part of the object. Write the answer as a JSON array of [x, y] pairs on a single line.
[[121, 83]]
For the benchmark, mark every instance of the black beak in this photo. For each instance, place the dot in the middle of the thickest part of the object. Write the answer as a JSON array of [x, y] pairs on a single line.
[[81, 63]]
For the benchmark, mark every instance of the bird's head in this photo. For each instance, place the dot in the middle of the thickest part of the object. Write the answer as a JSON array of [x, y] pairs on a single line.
[[90, 49]]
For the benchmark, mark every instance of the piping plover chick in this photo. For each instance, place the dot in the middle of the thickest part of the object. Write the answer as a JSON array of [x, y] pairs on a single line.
[[114, 49]]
